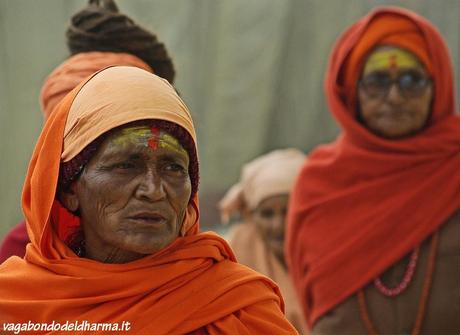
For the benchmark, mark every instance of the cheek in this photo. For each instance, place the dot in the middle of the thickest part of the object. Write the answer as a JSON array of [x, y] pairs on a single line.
[[262, 225], [425, 106], [365, 107], [368, 110], [102, 199], [419, 113], [179, 195], [280, 224]]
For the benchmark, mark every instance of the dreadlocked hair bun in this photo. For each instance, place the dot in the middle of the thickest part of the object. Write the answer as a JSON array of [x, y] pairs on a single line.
[[101, 27]]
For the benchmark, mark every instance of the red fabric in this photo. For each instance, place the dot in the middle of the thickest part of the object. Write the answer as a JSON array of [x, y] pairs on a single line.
[[363, 202], [14, 243]]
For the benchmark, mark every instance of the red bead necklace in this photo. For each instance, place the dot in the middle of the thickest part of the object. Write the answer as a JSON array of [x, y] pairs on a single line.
[[408, 275], [370, 327]]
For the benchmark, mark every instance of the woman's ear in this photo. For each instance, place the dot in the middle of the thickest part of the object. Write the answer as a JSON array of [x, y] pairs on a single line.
[[69, 198]]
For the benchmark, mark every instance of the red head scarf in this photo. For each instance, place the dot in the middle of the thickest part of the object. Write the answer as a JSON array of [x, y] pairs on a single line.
[[363, 202], [194, 283]]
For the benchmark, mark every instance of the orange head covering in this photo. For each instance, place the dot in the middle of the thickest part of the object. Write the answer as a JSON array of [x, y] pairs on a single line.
[[384, 30], [194, 283], [260, 179], [363, 202], [71, 72]]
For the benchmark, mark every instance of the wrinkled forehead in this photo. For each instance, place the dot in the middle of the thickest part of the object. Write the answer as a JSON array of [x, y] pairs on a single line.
[[145, 136], [390, 58]]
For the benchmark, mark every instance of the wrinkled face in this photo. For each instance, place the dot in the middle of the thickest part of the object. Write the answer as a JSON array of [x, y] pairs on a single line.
[[270, 219], [395, 98], [132, 195]]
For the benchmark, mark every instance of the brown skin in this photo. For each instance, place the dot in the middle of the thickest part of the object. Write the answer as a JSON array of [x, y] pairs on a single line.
[[395, 116], [132, 200], [270, 219]]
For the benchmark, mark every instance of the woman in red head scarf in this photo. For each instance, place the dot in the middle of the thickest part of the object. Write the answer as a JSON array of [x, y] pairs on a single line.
[[373, 228]]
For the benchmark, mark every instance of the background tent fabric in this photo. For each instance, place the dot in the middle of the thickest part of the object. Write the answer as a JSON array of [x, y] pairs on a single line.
[[250, 71]]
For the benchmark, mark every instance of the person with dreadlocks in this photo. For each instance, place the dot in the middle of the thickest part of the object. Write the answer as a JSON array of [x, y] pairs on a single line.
[[98, 36]]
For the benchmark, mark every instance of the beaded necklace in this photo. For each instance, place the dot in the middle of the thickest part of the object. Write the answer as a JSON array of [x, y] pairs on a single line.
[[408, 275], [423, 298]]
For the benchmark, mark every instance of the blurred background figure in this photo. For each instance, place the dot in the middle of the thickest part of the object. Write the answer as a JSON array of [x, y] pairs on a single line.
[[98, 36], [374, 228], [260, 201]]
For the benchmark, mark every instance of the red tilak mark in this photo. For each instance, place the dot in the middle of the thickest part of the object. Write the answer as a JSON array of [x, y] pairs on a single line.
[[153, 142], [393, 64]]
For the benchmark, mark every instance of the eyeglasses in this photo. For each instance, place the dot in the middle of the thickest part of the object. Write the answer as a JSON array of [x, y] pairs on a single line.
[[411, 84]]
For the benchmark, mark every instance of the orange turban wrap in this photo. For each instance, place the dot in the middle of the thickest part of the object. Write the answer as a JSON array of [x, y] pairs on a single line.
[[363, 202], [386, 30], [70, 73]]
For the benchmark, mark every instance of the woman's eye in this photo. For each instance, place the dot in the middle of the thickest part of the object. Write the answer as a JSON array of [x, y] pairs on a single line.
[[125, 166], [266, 213], [377, 79], [409, 79], [174, 167]]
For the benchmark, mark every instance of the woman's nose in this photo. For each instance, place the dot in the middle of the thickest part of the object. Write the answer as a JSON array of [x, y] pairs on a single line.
[[277, 223], [150, 186], [394, 95]]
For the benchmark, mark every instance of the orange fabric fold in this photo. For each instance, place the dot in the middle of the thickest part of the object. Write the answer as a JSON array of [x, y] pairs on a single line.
[[362, 202], [251, 250], [78, 67], [193, 284]]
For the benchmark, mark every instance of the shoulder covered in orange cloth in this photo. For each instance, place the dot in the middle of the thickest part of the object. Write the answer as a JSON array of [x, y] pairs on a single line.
[[194, 285], [362, 202]]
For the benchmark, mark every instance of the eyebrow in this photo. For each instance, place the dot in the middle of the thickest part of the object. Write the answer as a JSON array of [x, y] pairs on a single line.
[[115, 150], [174, 157]]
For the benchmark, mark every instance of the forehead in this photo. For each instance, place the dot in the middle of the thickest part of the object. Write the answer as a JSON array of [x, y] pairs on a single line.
[[142, 138], [390, 58], [275, 201]]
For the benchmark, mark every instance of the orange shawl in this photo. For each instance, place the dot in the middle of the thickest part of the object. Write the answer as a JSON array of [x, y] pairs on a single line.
[[251, 250], [362, 202], [194, 285]]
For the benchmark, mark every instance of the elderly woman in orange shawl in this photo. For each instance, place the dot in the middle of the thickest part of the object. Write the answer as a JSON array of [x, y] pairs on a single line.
[[374, 227], [98, 36], [260, 200], [111, 206]]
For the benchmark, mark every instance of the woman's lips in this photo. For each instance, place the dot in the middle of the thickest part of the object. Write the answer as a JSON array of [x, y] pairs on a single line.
[[148, 218]]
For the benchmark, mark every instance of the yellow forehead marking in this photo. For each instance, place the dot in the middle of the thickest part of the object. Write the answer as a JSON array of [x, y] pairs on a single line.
[[169, 142], [138, 135], [148, 137], [393, 58]]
